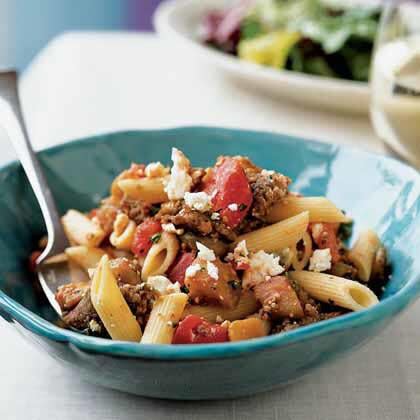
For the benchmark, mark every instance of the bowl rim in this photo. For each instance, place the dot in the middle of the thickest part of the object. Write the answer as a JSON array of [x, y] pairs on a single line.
[[386, 308]]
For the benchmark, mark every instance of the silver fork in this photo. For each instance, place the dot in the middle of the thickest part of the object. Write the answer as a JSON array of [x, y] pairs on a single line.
[[11, 118]]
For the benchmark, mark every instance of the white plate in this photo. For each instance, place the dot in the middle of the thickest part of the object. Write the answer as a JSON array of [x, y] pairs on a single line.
[[179, 20]]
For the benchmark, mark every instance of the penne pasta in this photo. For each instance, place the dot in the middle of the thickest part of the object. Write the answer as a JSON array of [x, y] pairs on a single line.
[[84, 256], [320, 210], [246, 329], [334, 290], [123, 232], [276, 237], [150, 190], [81, 230], [166, 313], [299, 263], [160, 256], [111, 306], [115, 190], [247, 305], [362, 254]]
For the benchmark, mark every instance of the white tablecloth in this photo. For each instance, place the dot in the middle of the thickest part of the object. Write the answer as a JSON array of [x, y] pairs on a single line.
[[85, 83]]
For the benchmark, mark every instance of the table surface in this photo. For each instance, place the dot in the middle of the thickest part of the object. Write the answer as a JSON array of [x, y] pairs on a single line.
[[85, 83]]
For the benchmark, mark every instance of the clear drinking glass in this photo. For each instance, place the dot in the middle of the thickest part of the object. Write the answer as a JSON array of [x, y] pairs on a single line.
[[395, 79]]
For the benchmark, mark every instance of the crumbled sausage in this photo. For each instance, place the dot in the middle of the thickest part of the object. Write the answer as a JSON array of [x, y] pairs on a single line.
[[289, 324], [267, 190], [268, 187], [195, 221], [135, 209], [83, 316], [140, 299], [170, 208], [105, 216], [69, 295], [197, 175], [80, 316]]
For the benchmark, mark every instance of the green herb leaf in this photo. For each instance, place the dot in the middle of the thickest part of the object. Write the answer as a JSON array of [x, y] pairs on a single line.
[[234, 284], [242, 207], [184, 289], [153, 210], [156, 238]]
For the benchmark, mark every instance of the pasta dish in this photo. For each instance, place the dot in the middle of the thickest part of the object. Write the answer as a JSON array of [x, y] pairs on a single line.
[[185, 255]]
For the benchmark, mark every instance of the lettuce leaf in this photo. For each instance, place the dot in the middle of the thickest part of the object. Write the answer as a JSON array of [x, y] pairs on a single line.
[[328, 27]]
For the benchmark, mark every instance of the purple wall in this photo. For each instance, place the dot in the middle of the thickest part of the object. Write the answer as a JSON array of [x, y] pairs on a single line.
[[32, 23], [141, 12]]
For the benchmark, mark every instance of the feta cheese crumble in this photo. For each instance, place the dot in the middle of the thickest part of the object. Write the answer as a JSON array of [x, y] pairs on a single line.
[[240, 254], [155, 169], [233, 207], [267, 173], [320, 260], [212, 270], [266, 264], [170, 228], [199, 201], [215, 216], [192, 270], [174, 288], [180, 181], [205, 253], [94, 326], [163, 285], [241, 249]]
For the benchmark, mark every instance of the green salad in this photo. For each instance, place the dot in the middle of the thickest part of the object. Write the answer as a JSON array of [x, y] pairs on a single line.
[[308, 36]]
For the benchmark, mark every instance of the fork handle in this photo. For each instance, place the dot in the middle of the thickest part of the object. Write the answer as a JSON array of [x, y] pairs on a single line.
[[11, 118]]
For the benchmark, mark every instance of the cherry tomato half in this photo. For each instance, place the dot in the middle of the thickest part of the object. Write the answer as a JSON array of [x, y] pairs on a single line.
[[195, 330], [144, 237]]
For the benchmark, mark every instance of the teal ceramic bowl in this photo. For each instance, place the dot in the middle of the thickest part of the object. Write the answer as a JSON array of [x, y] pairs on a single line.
[[377, 191]]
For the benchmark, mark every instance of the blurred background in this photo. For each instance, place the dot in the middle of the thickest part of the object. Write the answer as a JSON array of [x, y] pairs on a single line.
[[327, 38], [30, 24]]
